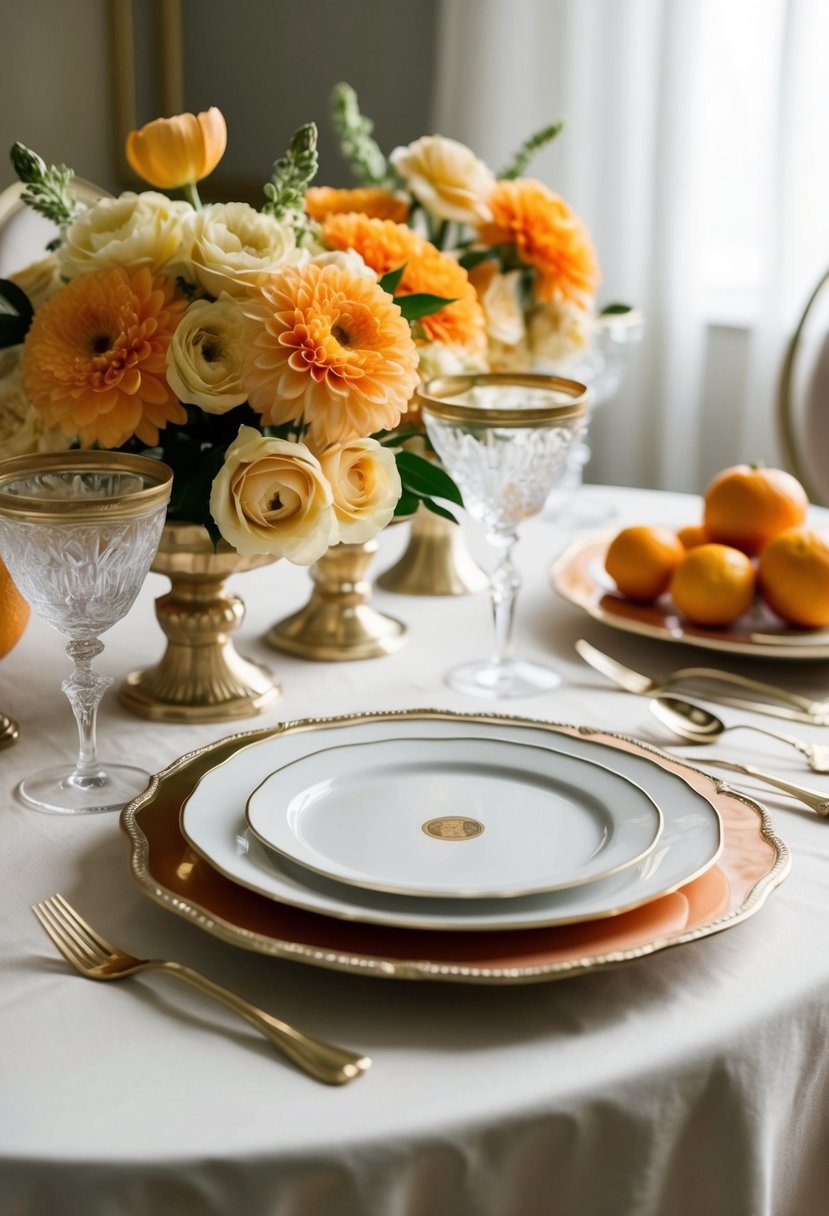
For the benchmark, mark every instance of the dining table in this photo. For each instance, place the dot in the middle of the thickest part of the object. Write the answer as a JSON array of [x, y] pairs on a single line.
[[688, 1080]]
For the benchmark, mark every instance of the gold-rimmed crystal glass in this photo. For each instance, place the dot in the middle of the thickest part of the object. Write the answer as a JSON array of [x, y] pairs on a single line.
[[503, 438], [78, 531]]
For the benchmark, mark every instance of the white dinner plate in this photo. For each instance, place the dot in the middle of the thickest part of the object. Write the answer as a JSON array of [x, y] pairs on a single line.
[[213, 821], [453, 818]]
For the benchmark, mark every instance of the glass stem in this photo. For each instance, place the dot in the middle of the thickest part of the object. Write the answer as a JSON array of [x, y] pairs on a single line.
[[504, 582], [84, 689]]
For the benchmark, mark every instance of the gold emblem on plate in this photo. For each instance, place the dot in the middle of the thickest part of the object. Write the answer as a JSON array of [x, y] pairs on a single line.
[[453, 827]]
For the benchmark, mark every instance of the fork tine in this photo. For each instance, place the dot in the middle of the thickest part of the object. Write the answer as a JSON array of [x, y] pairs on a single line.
[[85, 938], [59, 939]]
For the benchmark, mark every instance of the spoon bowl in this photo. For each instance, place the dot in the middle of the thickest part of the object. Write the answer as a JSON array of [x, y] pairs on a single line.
[[695, 724]]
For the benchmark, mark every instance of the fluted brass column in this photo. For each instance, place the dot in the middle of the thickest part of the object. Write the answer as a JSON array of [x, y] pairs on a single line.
[[201, 677], [338, 622]]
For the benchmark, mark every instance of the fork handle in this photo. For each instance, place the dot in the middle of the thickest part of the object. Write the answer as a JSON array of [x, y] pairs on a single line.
[[805, 749], [323, 1061], [769, 690], [813, 798]]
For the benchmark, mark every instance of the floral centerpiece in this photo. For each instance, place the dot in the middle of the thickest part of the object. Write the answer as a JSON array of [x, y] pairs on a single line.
[[529, 259], [271, 370]]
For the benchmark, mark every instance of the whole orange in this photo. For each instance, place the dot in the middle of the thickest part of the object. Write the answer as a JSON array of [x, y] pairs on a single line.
[[14, 612], [692, 535], [641, 560], [713, 584], [794, 577], [746, 506]]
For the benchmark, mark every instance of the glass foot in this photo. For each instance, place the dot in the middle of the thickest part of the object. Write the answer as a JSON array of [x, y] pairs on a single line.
[[516, 678], [58, 791]]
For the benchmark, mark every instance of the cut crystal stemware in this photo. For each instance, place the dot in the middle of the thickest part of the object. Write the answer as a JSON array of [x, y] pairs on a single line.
[[78, 531], [503, 438]]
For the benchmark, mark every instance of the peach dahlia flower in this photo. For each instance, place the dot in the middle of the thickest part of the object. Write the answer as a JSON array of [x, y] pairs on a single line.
[[321, 201], [331, 347], [94, 359], [384, 245], [546, 235]]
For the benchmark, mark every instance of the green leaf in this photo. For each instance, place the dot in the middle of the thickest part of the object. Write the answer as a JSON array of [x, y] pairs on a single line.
[[520, 162], [407, 504], [612, 310], [475, 256], [391, 279], [436, 509], [421, 304], [17, 299], [424, 478]]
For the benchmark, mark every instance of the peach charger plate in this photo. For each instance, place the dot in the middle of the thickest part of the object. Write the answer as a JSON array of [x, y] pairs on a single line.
[[752, 863]]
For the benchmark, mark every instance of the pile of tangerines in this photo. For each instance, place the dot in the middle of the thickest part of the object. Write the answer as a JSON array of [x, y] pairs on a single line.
[[752, 541]]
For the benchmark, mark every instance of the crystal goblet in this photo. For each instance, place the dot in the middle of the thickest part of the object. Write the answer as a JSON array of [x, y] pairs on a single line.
[[503, 438], [78, 531]]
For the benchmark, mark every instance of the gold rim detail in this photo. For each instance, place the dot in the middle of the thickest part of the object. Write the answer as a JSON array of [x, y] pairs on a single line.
[[46, 510], [436, 398]]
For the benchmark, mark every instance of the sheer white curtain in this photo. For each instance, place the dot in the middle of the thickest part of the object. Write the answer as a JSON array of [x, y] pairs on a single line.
[[695, 144]]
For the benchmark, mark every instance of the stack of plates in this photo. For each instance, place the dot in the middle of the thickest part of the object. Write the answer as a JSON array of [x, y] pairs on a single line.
[[426, 844]]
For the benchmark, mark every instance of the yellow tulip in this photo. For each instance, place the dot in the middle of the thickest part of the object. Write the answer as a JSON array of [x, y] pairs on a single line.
[[172, 152]]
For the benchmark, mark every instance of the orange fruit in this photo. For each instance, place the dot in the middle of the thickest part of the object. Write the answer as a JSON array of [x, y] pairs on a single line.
[[692, 535], [14, 612], [641, 560], [794, 577], [746, 506], [713, 584]]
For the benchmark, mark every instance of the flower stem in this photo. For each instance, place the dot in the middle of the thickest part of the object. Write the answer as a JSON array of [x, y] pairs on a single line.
[[191, 193]]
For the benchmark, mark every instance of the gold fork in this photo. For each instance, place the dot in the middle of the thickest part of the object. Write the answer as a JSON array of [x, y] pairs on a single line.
[[97, 959], [794, 709]]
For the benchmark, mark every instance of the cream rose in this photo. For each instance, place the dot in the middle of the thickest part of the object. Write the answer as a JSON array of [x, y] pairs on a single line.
[[230, 246], [133, 230], [436, 359], [271, 496], [204, 358], [500, 298], [446, 177], [366, 486], [346, 259], [39, 281], [558, 332], [21, 426]]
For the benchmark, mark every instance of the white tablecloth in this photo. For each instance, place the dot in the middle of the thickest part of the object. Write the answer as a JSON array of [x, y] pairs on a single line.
[[695, 1081]]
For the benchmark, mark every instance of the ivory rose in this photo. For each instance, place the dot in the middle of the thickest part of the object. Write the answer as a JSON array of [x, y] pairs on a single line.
[[230, 246], [205, 355], [40, 280], [446, 177], [366, 486], [271, 496], [500, 298], [133, 230], [21, 427], [558, 331]]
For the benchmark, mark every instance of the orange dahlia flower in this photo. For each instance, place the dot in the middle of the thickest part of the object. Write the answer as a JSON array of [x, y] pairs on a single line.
[[172, 152], [322, 201], [95, 358], [331, 347], [384, 246], [546, 235]]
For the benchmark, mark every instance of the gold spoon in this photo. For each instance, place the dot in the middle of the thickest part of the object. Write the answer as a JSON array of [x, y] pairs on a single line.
[[9, 731], [698, 725]]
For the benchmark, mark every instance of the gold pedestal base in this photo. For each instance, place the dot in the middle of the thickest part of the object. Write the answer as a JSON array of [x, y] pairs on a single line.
[[9, 731], [436, 561], [338, 622], [201, 677]]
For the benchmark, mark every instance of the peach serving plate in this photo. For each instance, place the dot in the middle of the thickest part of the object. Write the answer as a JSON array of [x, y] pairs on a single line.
[[579, 576], [752, 863]]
